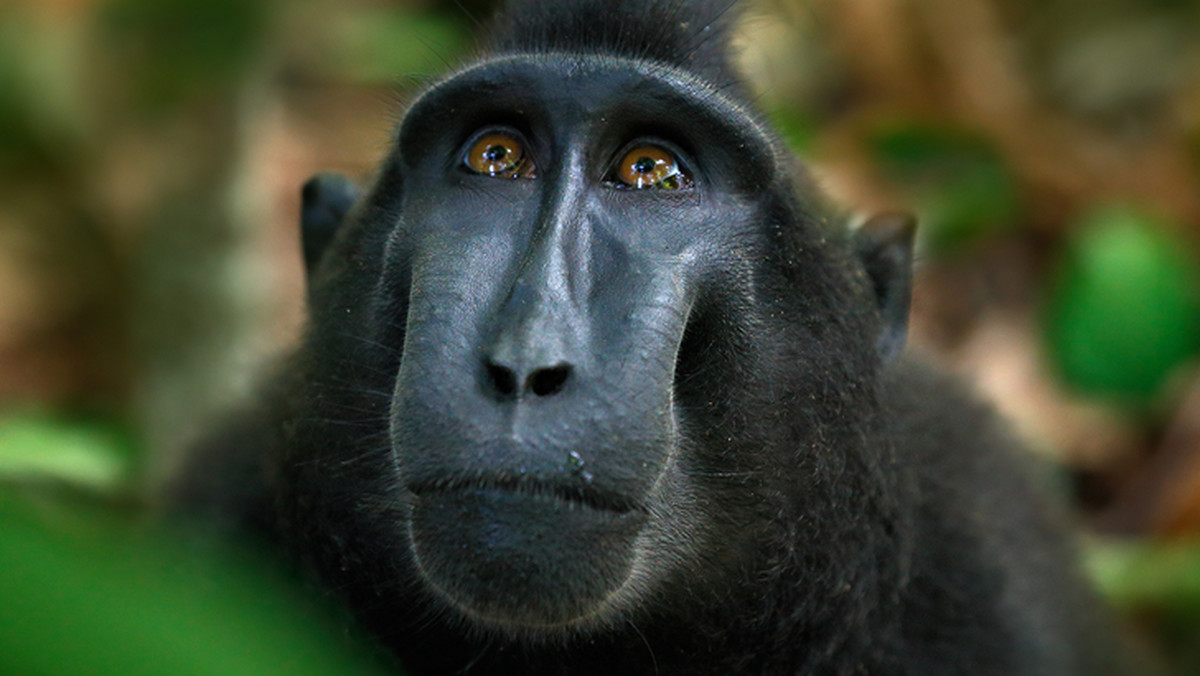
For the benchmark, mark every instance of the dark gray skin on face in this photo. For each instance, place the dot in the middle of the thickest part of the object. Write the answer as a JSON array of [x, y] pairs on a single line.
[[574, 495], [555, 425]]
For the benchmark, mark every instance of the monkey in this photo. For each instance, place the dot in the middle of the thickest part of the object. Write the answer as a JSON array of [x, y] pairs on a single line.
[[596, 381]]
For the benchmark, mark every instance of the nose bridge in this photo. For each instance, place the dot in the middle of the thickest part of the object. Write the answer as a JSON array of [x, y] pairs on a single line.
[[541, 331]]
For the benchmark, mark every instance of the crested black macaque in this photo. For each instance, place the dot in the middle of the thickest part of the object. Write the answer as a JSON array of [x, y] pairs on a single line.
[[595, 383]]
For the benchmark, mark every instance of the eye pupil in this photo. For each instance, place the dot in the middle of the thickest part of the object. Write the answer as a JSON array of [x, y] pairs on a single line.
[[644, 165], [496, 153]]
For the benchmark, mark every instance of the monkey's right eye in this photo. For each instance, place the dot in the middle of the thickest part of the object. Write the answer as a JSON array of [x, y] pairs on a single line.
[[499, 154]]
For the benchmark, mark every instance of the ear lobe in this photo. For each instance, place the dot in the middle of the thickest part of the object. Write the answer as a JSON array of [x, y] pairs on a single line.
[[884, 245], [324, 201]]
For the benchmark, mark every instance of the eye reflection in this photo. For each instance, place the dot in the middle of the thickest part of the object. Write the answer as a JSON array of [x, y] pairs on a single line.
[[651, 166]]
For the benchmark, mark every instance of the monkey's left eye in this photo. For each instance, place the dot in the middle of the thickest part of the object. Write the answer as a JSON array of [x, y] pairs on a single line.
[[499, 154], [650, 166]]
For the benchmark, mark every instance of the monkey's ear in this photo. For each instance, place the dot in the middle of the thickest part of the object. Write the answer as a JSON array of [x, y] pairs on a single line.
[[885, 247], [324, 201]]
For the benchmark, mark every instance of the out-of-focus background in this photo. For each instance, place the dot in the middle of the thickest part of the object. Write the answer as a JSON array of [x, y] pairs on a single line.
[[151, 154]]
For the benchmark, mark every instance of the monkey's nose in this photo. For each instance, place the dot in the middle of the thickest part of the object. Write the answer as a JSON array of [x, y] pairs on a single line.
[[509, 383]]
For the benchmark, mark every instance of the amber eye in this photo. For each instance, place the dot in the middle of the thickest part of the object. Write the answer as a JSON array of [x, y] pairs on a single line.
[[652, 166], [501, 155]]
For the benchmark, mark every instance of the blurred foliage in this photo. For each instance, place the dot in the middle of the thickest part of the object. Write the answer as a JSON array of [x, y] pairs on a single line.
[[384, 45], [91, 453], [87, 591], [91, 585], [1158, 583], [797, 128], [173, 48], [41, 112], [1136, 574], [959, 185], [1124, 312]]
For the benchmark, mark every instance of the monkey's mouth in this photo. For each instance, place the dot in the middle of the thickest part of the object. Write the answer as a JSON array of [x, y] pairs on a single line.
[[521, 554], [582, 494]]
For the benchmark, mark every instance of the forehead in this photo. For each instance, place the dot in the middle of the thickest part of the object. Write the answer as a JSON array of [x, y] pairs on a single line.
[[587, 86], [553, 72]]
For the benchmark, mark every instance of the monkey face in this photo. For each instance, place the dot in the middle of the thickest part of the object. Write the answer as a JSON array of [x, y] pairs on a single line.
[[556, 236]]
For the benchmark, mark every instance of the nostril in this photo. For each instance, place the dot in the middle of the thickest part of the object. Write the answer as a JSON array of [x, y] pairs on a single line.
[[503, 380], [548, 381]]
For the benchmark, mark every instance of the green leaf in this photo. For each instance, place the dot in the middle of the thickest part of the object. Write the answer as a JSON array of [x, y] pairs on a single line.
[[114, 600], [94, 455], [1124, 311]]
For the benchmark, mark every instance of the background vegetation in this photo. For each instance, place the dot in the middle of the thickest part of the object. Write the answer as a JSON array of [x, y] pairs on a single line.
[[151, 153]]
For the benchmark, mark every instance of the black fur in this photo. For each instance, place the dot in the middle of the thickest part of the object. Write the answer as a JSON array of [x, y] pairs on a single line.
[[553, 426], [690, 35]]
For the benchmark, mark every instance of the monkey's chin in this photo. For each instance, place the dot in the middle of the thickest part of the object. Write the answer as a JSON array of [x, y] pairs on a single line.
[[522, 561]]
